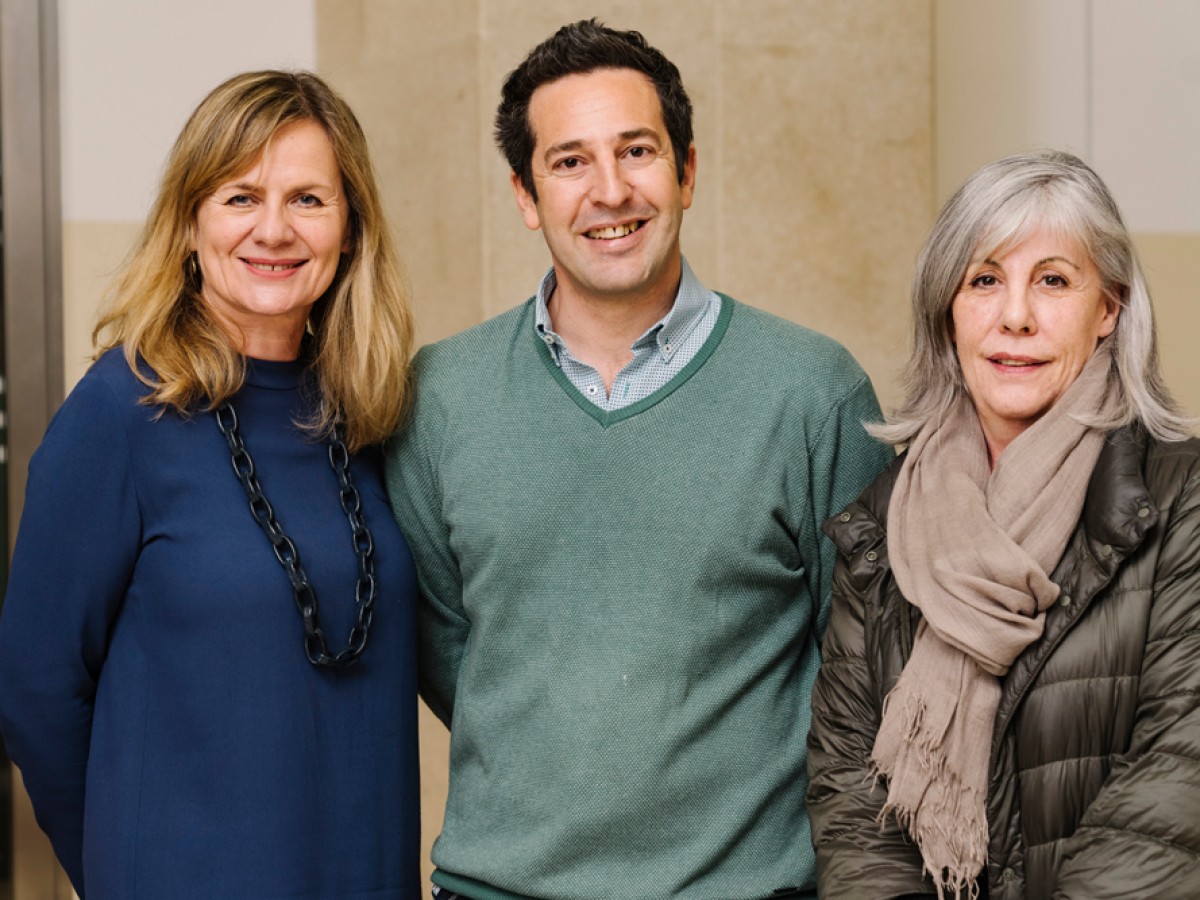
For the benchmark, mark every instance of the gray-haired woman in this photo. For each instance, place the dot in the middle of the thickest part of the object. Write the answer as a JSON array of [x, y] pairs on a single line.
[[1009, 705]]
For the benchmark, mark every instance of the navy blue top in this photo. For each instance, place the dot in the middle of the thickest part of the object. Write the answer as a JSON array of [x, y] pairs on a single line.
[[154, 689]]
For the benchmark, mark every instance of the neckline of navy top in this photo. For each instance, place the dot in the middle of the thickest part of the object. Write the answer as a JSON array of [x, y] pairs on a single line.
[[279, 375]]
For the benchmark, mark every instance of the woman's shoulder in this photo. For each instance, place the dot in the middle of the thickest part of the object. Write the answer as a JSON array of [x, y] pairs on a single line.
[[1172, 469], [109, 395], [1179, 451], [112, 370]]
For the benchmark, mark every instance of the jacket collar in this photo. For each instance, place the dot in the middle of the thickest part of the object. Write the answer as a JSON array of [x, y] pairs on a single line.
[[1117, 513]]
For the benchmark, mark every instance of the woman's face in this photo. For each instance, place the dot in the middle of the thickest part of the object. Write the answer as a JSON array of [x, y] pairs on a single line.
[[269, 241], [1025, 324]]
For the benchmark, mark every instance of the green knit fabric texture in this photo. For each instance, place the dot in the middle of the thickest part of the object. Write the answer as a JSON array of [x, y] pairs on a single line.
[[621, 612]]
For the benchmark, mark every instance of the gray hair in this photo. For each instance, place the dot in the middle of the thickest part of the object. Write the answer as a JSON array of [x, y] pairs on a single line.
[[997, 208]]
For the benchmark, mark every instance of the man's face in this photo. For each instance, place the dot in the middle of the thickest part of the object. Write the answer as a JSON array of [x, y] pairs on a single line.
[[609, 200]]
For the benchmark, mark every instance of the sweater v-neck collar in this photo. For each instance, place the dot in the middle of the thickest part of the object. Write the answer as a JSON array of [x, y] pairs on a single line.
[[612, 417]]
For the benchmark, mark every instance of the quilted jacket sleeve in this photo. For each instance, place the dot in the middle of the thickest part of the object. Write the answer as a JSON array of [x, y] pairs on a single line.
[[856, 855], [1141, 835]]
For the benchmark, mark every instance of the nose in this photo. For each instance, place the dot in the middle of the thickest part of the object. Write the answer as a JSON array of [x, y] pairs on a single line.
[[273, 227], [609, 186], [1016, 313]]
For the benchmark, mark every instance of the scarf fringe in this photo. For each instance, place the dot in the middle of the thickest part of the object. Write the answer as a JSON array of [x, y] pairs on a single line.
[[944, 816]]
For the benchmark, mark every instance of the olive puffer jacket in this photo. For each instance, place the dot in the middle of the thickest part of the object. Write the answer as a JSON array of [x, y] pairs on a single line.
[[1094, 788]]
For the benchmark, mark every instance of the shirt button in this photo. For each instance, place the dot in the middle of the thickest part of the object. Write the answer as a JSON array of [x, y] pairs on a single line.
[[591, 389], [1008, 875], [667, 348], [845, 517], [549, 339], [1144, 512], [871, 556], [1106, 551], [1065, 599]]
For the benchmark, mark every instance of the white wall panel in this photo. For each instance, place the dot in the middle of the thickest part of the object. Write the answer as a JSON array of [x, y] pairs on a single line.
[[1010, 76], [132, 71], [1146, 142]]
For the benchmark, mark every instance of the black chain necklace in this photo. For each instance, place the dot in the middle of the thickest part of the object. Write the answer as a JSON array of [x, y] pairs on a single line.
[[315, 646]]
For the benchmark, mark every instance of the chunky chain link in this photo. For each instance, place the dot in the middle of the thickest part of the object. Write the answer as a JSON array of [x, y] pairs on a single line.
[[315, 646]]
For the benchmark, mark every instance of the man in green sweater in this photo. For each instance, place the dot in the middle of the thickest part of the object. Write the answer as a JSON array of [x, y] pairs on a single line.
[[613, 493]]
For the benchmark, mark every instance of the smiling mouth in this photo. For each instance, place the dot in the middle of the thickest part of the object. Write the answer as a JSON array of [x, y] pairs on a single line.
[[612, 232], [273, 267], [1016, 363]]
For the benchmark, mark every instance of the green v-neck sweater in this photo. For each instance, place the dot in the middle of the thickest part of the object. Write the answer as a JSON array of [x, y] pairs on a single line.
[[621, 611]]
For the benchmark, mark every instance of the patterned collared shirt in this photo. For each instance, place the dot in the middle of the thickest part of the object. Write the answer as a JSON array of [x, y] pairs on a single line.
[[658, 355]]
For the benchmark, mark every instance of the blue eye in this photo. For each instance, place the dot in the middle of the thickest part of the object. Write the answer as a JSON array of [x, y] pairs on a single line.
[[308, 200], [239, 200]]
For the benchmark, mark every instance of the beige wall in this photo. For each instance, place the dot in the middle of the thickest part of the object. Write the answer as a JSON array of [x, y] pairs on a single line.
[[1172, 263]]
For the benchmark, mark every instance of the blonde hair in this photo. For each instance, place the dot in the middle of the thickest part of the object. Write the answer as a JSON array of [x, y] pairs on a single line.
[[997, 208], [361, 327]]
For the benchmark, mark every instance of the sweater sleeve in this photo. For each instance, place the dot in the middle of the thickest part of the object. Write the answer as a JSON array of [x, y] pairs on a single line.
[[1145, 815], [857, 855], [414, 490], [844, 460], [76, 548]]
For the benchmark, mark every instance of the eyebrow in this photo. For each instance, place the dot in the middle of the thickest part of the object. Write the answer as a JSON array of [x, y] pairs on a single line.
[[249, 186], [1050, 259], [1041, 262], [630, 135]]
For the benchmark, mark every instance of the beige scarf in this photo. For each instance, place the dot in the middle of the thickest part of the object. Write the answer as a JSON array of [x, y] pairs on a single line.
[[973, 550]]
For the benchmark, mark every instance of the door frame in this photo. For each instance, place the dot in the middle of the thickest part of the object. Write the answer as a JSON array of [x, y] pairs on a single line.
[[31, 352]]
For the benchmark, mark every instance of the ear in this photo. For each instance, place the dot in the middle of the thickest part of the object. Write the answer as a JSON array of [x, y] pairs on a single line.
[[1108, 324], [525, 203], [688, 186]]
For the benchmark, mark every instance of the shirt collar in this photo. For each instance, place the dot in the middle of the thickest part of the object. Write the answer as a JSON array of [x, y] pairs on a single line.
[[668, 333]]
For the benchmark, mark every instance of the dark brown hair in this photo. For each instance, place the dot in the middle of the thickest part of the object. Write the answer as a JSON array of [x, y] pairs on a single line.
[[576, 49]]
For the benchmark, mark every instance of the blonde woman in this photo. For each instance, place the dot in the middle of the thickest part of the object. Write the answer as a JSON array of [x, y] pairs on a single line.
[[206, 653]]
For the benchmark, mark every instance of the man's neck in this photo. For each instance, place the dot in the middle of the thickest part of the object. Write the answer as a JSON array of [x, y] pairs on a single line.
[[600, 330]]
